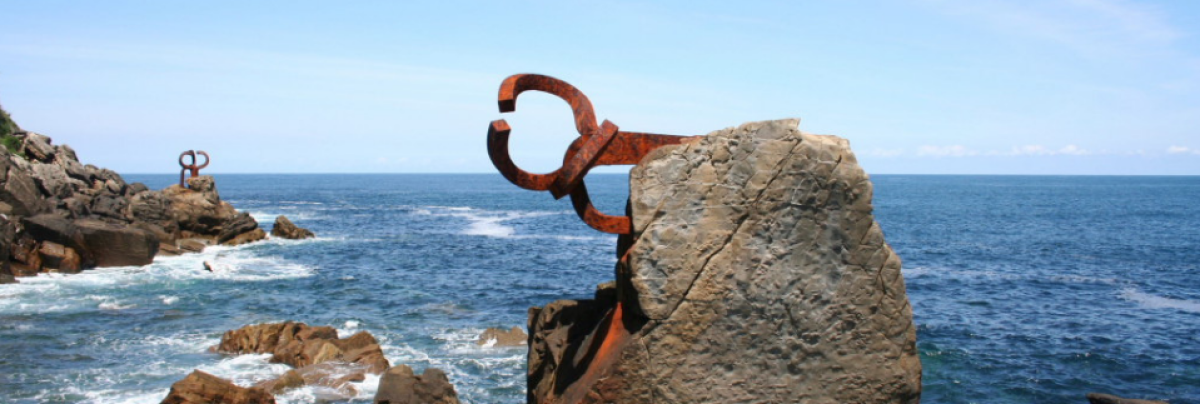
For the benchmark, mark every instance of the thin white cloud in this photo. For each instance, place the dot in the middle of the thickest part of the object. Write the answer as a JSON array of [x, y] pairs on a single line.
[[946, 151], [1182, 150]]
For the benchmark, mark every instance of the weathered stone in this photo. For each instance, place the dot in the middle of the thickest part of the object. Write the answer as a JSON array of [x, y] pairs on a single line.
[[136, 188], [286, 229], [20, 195], [109, 245], [1098, 398], [110, 206], [241, 223], [51, 179], [399, 385], [266, 338], [757, 256], [38, 147], [58, 258], [247, 237], [191, 244], [289, 380], [501, 337], [203, 388], [203, 184], [8, 229]]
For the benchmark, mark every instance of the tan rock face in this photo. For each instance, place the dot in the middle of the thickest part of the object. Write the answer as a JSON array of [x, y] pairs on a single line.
[[203, 388], [300, 345], [501, 337], [759, 275], [286, 229], [399, 385]]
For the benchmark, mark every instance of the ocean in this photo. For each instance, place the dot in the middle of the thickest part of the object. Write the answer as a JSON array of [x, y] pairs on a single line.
[[1024, 289]]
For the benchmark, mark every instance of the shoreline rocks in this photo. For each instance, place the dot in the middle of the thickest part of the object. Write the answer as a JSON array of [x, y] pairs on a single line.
[[499, 337], [319, 358], [757, 257], [60, 215]]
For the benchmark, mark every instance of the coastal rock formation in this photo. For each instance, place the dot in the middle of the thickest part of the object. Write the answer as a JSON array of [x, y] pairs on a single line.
[[203, 388], [286, 229], [758, 274], [65, 216], [501, 337], [399, 385], [300, 345]]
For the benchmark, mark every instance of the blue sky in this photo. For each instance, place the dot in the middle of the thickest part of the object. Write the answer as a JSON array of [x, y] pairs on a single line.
[[929, 87]]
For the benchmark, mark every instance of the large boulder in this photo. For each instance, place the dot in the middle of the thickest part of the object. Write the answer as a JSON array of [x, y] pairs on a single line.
[[8, 229], [284, 228], [19, 193], [1100, 398], [399, 385], [203, 388], [757, 257], [110, 245]]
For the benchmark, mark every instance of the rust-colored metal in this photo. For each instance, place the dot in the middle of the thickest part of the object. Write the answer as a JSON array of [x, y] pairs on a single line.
[[597, 145], [195, 169]]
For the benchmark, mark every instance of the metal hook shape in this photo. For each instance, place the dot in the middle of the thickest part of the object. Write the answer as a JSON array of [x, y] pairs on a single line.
[[195, 169], [602, 144]]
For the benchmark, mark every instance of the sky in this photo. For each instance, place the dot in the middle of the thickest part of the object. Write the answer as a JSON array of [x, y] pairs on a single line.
[[1095, 87]]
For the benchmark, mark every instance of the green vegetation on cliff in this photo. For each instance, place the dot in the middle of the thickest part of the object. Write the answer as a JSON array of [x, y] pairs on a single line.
[[7, 128]]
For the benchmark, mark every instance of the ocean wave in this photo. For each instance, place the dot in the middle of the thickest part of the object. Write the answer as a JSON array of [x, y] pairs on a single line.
[[1150, 301]]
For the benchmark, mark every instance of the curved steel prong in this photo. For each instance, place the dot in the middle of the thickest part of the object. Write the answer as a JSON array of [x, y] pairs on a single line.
[[498, 132], [196, 171], [581, 107]]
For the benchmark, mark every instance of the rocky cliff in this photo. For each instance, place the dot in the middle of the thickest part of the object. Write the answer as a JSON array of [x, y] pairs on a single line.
[[756, 273], [59, 215]]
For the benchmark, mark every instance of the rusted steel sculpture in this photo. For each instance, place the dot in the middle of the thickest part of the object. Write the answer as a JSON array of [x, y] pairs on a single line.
[[192, 166], [597, 145]]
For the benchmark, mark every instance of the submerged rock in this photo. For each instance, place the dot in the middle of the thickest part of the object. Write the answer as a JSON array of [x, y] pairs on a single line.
[[758, 275], [1098, 398], [286, 229], [399, 385], [203, 388]]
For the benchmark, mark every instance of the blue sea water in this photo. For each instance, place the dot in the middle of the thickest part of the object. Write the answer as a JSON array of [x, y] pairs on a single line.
[[1024, 289]]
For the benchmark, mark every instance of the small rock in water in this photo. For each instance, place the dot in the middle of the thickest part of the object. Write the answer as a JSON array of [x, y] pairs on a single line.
[[286, 229], [399, 385], [208, 266], [500, 337]]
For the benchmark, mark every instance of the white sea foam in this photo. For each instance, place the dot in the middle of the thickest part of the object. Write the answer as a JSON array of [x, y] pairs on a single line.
[[168, 300], [112, 305], [481, 222], [1150, 301]]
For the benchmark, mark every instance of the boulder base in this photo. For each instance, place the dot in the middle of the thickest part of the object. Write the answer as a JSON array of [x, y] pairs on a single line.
[[758, 275], [399, 385]]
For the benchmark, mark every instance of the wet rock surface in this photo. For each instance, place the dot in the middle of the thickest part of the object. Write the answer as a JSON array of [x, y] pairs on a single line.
[[759, 275], [399, 385], [500, 337], [203, 388], [284, 228]]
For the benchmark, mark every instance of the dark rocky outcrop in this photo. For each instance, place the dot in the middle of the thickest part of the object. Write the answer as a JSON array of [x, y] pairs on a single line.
[[399, 385], [502, 337], [758, 274], [286, 229], [67, 216], [203, 388]]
